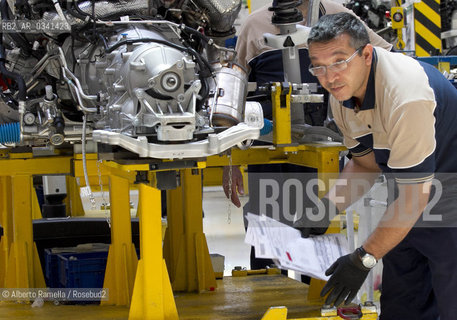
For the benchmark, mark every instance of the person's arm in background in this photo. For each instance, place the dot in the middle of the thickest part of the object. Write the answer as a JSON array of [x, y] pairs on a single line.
[[247, 46], [236, 183], [241, 46], [237, 187]]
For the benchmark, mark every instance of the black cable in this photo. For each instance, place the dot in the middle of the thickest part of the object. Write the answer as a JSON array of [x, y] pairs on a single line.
[[73, 52], [94, 18], [195, 33], [105, 44], [78, 9], [452, 51], [76, 14]]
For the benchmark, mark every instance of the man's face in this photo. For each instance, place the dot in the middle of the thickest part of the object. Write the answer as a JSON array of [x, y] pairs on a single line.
[[347, 83]]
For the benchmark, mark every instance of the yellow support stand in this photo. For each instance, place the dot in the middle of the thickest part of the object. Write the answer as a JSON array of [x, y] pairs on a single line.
[[193, 270], [122, 259], [152, 294], [275, 313], [19, 263], [24, 268], [175, 230]]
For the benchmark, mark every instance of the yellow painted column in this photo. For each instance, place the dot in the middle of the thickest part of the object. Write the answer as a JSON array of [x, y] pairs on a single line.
[[152, 294], [193, 269], [36, 211], [122, 259], [24, 268], [73, 200], [175, 230], [6, 215], [281, 114]]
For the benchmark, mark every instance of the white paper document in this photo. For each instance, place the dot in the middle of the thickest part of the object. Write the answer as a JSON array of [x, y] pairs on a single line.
[[284, 244]]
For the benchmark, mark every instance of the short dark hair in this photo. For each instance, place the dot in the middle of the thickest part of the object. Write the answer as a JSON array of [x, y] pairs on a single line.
[[331, 26]]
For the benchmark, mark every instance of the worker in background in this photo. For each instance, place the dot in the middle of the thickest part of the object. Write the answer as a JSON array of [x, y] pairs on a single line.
[[397, 116], [264, 64]]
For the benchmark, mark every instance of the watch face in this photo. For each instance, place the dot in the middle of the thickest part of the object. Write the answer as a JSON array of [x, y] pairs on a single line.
[[369, 261]]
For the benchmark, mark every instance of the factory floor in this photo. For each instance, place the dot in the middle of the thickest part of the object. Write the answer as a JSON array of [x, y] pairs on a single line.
[[235, 297]]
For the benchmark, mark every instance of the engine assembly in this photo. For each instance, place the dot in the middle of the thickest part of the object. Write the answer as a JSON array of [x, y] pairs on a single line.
[[153, 78]]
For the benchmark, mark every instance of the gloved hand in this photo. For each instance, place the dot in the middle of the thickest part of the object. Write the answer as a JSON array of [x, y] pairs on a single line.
[[309, 227], [348, 274]]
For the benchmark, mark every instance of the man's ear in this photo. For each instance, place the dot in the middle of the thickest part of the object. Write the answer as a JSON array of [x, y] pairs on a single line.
[[367, 54]]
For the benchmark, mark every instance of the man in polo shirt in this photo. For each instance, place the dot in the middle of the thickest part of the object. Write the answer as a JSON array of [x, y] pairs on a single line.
[[264, 64], [398, 117]]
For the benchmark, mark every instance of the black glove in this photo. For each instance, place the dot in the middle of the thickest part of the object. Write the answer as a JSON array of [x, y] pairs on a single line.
[[309, 227], [348, 274]]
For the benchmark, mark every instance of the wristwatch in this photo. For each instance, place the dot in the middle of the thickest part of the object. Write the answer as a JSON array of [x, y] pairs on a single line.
[[368, 260]]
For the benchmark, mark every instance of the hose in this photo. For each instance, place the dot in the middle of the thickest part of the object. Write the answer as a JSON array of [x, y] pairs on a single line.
[[10, 132]]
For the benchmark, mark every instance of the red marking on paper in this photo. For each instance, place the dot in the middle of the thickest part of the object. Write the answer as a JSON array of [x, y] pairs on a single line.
[[288, 256]]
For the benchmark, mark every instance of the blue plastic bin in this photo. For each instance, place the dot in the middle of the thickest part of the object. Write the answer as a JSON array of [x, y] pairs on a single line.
[[82, 270], [51, 267]]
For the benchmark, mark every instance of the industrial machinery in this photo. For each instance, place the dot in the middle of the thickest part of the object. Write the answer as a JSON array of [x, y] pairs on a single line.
[[408, 24], [151, 77]]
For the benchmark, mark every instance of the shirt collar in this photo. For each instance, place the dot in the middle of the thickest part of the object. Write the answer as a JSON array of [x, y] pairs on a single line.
[[369, 99]]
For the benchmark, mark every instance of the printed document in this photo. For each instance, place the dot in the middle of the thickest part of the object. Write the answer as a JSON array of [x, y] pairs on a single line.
[[284, 244]]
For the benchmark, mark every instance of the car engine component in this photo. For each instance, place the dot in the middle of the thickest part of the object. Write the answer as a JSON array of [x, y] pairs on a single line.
[[152, 77]]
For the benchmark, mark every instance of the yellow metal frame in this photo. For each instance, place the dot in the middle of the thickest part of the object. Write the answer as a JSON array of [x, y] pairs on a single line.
[[152, 295], [144, 284], [23, 268], [187, 254], [19, 262], [280, 313], [122, 259], [281, 114], [398, 26]]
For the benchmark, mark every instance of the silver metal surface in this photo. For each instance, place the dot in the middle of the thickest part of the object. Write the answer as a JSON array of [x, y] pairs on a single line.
[[105, 8], [222, 13], [290, 58], [54, 185], [313, 12], [214, 144], [134, 80], [230, 96]]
